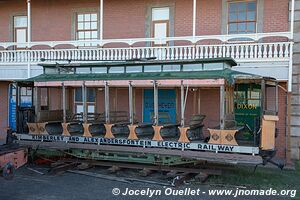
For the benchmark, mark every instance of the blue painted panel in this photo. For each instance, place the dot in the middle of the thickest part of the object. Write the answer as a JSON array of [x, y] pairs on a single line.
[[166, 106], [26, 101], [12, 107]]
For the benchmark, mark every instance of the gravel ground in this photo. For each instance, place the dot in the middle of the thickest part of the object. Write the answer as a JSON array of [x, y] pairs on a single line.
[[28, 185]]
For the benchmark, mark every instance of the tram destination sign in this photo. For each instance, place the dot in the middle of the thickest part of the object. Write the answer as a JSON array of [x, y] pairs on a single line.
[[140, 143]]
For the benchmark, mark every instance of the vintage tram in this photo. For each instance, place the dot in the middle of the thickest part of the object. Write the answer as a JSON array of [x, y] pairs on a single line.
[[149, 111]]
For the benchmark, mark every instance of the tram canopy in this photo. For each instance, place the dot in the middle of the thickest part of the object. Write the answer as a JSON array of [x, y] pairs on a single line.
[[200, 69]]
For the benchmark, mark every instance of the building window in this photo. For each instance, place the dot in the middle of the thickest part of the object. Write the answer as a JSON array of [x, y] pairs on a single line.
[[26, 96], [90, 98], [20, 30], [87, 26], [242, 17], [160, 23]]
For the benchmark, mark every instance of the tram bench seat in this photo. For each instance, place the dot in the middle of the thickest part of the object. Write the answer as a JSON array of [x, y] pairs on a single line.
[[45, 118], [49, 116], [119, 117]]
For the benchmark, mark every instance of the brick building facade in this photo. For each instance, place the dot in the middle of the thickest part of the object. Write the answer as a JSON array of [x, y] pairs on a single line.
[[209, 21]]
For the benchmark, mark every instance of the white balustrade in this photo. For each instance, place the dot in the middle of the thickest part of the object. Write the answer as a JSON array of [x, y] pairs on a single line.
[[239, 52]]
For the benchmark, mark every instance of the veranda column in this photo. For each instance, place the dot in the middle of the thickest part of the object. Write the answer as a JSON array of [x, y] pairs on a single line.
[[132, 127]]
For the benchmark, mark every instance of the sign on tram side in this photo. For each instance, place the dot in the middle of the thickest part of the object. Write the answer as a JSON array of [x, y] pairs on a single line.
[[141, 143]]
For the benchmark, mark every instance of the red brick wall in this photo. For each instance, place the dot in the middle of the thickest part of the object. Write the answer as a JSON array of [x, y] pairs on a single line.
[[52, 19], [209, 17], [3, 110], [281, 124], [276, 16], [124, 19], [7, 10]]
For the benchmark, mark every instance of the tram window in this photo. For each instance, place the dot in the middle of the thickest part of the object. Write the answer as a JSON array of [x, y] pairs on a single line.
[[152, 68], [44, 99], [116, 70], [83, 70], [192, 67], [226, 65], [134, 69], [99, 70], [212, 66], [66, 70], [170, 68], [91, 95], [51, 70]]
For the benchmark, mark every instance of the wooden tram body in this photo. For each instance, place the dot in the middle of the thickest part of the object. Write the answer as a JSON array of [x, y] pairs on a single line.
[[159, 114]]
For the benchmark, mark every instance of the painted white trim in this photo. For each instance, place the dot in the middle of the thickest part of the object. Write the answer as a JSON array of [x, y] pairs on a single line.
[[142, 143], [131, 41]]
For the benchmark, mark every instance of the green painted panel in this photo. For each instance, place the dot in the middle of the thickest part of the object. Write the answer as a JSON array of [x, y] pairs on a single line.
[[247, 104]]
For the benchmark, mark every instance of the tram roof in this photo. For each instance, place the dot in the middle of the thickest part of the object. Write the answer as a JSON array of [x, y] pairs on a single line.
[[229, 75], [225, 72], [105, 63]]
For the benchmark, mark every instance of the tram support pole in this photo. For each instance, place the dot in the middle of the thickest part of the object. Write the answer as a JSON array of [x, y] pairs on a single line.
[[155, 87], [37, 101], [222, 107], [84, 102], [64, 102], [182, 104], [130, 103], [106, 91], [263, 96]]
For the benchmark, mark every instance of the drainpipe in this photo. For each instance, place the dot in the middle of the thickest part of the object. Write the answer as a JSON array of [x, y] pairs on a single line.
[[194, 17], [290, 80], [101, 21], [28, 36]]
